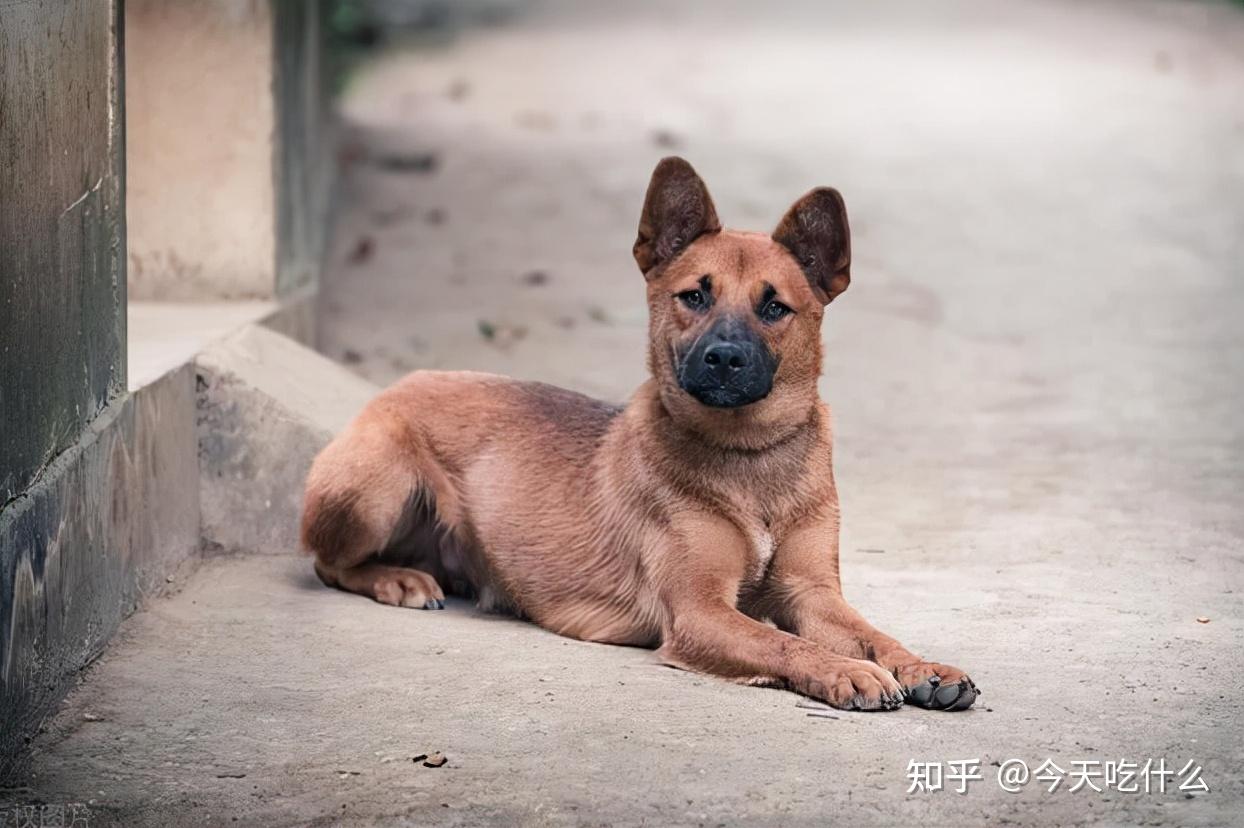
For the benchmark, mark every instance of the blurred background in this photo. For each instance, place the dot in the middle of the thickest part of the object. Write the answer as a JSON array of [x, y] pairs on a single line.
[[1045, 199], [224, 225]]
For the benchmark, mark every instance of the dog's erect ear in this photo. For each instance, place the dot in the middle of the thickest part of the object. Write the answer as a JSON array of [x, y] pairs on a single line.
[[815, 231], [677, 211]]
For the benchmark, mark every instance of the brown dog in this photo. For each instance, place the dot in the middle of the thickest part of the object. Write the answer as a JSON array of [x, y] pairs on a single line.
[[688, 519]]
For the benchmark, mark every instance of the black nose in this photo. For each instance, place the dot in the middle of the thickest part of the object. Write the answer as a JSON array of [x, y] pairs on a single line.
[[727, 355], [727, 366]]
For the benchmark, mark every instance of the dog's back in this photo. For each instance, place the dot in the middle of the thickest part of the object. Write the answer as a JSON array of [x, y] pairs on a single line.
[[491, 486]]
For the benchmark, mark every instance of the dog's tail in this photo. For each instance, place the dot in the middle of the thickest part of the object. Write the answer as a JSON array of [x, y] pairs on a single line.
[[365, 484]]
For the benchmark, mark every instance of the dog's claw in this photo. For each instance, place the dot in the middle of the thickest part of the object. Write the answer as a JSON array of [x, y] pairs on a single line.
[[432, 603], [886, 701]]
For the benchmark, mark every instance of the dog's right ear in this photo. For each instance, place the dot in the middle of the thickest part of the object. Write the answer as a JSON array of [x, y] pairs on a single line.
[[677, 211]]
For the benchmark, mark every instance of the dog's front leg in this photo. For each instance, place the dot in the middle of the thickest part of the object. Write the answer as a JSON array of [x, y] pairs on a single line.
[[704, 631], [805, 598]]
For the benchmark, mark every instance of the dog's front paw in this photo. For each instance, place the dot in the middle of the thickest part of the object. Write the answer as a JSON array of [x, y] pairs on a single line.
[[936, 686], [857, 685]]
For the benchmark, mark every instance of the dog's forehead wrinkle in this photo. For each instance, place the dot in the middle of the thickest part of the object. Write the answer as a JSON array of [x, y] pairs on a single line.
[[753, 260]]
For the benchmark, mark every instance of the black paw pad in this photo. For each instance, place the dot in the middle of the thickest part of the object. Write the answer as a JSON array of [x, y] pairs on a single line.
[[934, 695]]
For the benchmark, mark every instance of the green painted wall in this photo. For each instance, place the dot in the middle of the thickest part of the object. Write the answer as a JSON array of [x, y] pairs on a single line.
[[62, 228]]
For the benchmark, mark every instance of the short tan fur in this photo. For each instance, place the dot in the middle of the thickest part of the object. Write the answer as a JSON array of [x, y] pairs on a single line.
[[701, 519]]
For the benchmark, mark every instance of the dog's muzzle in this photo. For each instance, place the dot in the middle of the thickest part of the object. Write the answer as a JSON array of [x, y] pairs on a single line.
[[728, 367]]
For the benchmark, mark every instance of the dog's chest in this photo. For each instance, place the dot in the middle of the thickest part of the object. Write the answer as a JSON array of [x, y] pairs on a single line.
[[760, 546]]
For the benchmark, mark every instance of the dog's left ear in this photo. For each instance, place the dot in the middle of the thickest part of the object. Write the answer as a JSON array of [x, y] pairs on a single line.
[[816, 233], [677, 211]]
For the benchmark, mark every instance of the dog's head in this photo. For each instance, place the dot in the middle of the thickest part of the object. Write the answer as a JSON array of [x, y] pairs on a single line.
[[735, 317]]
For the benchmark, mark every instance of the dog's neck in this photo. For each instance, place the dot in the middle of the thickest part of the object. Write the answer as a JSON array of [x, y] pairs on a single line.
[[754, 429]]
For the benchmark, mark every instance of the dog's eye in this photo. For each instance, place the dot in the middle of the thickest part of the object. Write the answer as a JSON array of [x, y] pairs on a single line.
[[774, 310], [693, 299]]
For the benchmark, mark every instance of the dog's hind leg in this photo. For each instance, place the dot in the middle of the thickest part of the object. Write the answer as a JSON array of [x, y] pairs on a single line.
[[362, 493], [399, 586]]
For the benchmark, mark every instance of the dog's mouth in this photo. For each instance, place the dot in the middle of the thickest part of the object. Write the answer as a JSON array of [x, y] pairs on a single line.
[[720, 396]]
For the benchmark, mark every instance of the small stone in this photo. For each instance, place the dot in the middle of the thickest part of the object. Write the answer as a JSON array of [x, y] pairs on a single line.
[[501, 334], [408, 162], [1202, 619], [92, 717], [435, 760], [363, 249], [666, 139]]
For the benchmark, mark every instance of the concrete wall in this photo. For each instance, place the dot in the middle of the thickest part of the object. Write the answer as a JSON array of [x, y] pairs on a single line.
[[199, 112], [304, 138], [225, 123], [100, 490], [104, 526], [97, 489], [62, 228]]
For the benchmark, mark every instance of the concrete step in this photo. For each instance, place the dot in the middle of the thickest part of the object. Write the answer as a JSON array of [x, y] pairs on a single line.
[[267, 405]]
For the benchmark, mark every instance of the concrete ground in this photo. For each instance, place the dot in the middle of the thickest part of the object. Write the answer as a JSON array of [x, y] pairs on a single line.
[[1035, 376]]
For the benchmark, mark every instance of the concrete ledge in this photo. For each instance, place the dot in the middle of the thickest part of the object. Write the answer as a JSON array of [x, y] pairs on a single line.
[[105, 524], [297, 318], [207, 452], [266, 405], [164, 336]]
